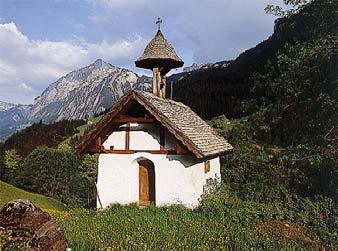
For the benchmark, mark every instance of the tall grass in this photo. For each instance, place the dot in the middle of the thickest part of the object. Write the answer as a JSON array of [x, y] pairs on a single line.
[[226, 224]]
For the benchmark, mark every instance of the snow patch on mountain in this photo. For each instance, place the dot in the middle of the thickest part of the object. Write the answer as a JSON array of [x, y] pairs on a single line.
[[5, 106], [12, 117]]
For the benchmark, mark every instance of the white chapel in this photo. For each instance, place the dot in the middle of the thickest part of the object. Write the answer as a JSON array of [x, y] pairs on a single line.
[[153, 150]]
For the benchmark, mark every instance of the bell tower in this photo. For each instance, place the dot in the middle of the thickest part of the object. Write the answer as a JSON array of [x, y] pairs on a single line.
[[160, 57]]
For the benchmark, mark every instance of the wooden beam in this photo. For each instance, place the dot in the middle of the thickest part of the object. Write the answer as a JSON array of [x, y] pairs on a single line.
[[98, 144], [162, 138], [127, 143], [132, 120], [132, 129], [116, 110], [179, 148], [116, 151], [206, 166], [155, 81]]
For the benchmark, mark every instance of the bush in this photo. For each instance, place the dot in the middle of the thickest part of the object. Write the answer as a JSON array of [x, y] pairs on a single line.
[[51, 172], [88, 173], [11, 164]]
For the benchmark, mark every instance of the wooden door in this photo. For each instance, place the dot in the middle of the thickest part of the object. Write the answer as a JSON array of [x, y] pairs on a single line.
[[146, 182]]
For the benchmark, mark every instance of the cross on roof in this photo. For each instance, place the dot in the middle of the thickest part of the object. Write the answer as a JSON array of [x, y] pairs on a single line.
[[158, 22]]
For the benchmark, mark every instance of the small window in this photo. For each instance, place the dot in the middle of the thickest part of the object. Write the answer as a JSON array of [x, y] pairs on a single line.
[[206, 166]]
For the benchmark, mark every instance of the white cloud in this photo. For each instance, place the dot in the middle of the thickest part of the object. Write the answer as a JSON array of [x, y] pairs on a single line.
[[27, 66], [25, 87], [122, 50], [213, 30]]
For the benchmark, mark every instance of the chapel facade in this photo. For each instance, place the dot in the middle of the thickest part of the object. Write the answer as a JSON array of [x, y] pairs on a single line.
[[153, 150]]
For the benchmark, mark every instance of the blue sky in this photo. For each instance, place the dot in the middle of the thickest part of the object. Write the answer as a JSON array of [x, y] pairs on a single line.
[[41, 40]]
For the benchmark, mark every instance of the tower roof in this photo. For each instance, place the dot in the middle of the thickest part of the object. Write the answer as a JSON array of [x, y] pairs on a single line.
[[159, 53]]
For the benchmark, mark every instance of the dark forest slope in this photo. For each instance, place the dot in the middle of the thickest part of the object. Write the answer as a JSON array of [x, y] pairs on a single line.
[[215, 91], [40, 134]]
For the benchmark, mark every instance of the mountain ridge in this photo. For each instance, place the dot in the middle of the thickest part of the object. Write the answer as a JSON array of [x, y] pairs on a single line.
[[4, 106], [85, 91], [12, 118]]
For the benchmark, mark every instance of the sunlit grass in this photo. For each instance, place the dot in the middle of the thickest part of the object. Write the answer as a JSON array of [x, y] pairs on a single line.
[[92, 120], [9, 192]]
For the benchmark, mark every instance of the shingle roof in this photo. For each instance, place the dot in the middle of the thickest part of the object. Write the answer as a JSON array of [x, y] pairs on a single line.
[[199, 137], [186, 123], [159, 52]]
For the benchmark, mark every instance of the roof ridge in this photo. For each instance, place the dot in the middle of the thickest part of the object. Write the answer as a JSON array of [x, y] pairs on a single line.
[[163, 99]]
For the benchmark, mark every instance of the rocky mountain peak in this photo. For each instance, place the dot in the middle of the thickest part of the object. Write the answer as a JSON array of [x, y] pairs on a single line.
[[5, 106], [86, 91], [12, 117], [99, 63]]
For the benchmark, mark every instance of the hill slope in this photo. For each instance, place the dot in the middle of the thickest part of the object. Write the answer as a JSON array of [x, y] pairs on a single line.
[[219, 90], [9, 192], [40, 134]]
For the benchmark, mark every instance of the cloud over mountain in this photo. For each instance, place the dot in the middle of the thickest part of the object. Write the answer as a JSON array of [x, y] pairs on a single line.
[[28, 65], [42, 40]]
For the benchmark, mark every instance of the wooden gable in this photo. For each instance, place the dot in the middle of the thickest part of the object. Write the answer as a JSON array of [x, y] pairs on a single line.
[[193, 133], [131, 112]]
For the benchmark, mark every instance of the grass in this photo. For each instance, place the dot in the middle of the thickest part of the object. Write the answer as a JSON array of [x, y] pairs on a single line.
[[93, 120], [132, 228], [82, 128], [229, 224], [9, 192], [222, 222]]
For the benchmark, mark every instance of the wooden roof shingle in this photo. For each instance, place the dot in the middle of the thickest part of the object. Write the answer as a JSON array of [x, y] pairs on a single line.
[[159, 52]]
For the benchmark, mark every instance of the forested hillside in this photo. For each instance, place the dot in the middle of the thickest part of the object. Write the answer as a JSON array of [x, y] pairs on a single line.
[[40, 134], [215, 91]]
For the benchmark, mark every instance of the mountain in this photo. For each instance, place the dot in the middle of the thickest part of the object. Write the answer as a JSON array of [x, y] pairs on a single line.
[[13, 113], [214, 91], [195, 66], [85, 92], [12, 117]]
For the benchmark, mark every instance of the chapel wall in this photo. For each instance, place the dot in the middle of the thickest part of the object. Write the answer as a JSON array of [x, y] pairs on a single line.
[[179, 179]]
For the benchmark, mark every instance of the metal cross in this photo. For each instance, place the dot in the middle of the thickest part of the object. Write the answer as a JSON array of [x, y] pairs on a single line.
[[158, 22]]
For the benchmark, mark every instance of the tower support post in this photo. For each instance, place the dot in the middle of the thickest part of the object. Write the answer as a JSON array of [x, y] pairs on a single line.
[[155, 81]]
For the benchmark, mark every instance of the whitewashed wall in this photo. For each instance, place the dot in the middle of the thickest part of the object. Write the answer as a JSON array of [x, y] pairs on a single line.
[[178, 179], [140, 139]]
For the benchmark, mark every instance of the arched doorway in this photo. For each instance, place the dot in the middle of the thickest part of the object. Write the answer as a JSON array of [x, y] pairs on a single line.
[[146, 182]]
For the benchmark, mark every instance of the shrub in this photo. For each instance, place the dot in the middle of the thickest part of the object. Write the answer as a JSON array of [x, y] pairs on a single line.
[[51, 172]]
